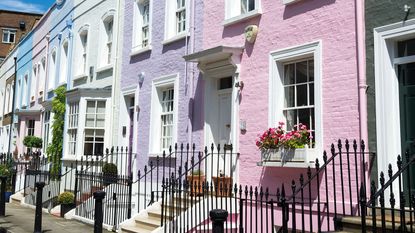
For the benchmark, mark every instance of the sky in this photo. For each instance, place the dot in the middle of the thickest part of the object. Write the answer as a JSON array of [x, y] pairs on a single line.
[[33, 6]]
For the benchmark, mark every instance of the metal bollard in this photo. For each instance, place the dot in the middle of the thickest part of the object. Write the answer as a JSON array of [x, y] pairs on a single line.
[[38, 213], [98, 195], [2, 195], [218, 218]]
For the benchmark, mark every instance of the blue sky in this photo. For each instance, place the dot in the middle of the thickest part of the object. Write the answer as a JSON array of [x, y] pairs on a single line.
[[36, 6]]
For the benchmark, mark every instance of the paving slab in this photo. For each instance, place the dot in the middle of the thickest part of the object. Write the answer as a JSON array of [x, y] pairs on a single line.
[[20, 219]]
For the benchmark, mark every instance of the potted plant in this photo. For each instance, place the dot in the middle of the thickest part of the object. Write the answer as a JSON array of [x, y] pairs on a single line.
[[67, 202], [196, 181], [6, 171], [109, 173], [222, 185], [277, 145], [32, 142]]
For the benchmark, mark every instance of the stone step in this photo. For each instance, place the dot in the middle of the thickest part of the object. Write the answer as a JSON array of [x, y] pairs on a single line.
[[150, 222], [354, 224], [134, 229]]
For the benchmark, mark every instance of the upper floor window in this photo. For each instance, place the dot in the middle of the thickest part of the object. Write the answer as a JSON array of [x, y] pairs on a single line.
[[46, 129], [235, 8], [33, 85], [42, 75], [181, 16], [52, 70], [83, 52], [109, 29], [64, 63], [176, 18], [141, 24], [9, 35], [25, 90], [107, 46]]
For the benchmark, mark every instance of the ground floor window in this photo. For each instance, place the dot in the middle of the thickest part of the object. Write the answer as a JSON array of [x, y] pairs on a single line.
[[30, 128], [46, 123], [94, 127]]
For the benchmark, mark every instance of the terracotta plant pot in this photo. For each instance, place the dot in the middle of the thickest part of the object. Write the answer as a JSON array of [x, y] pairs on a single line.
[[223, 186], [196, 183]]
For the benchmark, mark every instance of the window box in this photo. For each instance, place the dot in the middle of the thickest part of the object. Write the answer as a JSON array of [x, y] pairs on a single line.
[[285, 155]]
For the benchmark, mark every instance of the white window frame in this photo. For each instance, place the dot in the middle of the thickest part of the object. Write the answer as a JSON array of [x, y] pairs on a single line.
[[82, 51], [171, 33], [63, 73], [25, 89], [30, 131], [46, 129], [94, 128], [9, 31], [158, 85], [107, 42], [138, 45], [42, 76], [276, 98], [52, 70], [234, 14], [73, 125], [33, 82]]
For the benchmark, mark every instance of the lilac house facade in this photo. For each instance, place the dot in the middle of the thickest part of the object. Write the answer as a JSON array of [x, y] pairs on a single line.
[[158, 88]]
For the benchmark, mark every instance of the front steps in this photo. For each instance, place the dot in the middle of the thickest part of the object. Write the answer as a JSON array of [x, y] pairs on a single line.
[[354, 224]]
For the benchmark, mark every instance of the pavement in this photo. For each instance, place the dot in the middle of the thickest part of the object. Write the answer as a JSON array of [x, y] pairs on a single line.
[[20, 219]]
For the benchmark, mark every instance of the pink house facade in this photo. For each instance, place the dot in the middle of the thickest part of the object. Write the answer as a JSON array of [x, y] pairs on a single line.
[[303, 67]]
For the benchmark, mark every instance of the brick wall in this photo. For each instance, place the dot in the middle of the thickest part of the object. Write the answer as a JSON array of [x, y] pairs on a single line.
[[9, 19]]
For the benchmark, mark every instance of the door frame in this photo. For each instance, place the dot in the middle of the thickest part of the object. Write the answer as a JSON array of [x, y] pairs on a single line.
[[388, 132], [211, 90]]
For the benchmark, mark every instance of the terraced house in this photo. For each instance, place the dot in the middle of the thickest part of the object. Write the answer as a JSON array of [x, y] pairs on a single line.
[[258, 107]]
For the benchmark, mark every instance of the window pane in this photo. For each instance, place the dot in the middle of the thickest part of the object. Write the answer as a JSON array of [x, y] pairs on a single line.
[[99, 149], [301, 72], [311, 89], [90, 120], [101, 107], [291, 116], [88, 148], [251, 5], [311, 70], [244, 6], [302, 95], [406, 48], [289, 96], [289, 74], [90, 107], [5, 36], [100, 120], [304, 116]]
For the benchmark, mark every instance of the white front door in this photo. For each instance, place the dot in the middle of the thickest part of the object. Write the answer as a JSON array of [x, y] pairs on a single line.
[[224, 123]]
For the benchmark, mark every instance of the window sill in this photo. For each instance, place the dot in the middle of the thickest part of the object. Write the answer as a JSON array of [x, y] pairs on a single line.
[[241, 18], [104, 68], [137, 50], [79, 77], [287, 2], [175, 38]]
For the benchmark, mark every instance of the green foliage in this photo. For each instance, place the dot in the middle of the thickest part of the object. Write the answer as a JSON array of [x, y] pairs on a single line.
[[197, 172], [4, 170], [110, 169], [32, 142], [54, 150], [66, 198]]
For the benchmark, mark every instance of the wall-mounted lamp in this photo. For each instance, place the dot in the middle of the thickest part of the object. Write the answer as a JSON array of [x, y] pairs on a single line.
[[141, 76], [407, 10], [239, 85]]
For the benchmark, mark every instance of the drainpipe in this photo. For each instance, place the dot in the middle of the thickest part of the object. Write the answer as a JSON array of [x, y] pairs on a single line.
[[115, 87], [13, 103], [45, 84], [190, 82], [361, 69]]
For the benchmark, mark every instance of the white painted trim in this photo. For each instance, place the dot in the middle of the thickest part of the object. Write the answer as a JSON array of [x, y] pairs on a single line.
[[287, 2], [138, 50], [388, 132], [242, 17], [276, 98], [154, 137], [175, 38]]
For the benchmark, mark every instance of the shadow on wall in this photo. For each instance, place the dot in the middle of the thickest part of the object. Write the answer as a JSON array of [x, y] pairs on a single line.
[[303, 7], [140, 57], [198, 109], [174, 45], [238, 29]]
